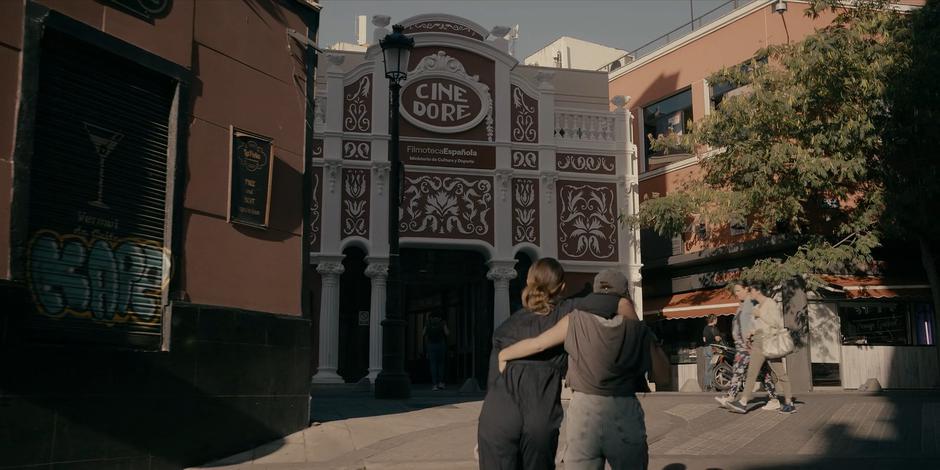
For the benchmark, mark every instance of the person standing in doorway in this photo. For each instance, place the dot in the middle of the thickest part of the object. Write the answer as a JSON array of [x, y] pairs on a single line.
[[435, 340], [768, 316], [710, 335]]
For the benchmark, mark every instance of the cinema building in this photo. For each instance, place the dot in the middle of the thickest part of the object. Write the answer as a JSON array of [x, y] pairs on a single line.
[[504, 163], [873, 325]]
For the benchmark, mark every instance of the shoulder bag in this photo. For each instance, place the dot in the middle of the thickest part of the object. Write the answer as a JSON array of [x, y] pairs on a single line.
[[777, 343]]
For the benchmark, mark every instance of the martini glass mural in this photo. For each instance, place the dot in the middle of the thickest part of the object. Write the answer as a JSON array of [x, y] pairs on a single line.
[[104, 141]]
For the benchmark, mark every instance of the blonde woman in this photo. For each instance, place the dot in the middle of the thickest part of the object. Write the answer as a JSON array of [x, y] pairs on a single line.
[[522, 412]]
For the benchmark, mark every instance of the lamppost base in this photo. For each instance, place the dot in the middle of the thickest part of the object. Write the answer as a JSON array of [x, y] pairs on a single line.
[[391, 385]]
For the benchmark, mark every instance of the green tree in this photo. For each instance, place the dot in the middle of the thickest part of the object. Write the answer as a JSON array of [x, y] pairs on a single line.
[[797, 153], [834, 145]]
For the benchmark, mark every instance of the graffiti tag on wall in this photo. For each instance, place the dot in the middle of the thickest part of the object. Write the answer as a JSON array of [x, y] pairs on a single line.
[[107, 280]]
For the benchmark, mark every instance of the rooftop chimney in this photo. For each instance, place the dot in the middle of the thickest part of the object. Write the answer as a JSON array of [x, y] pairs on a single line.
[[362, 37]]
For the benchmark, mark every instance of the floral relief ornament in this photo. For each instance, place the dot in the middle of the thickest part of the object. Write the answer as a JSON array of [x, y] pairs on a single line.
[[523, 129], [587, 223], [354, 203], [315, 209], [524, 212], [357, 110], [446, 205], [594, 163], [527, 160]]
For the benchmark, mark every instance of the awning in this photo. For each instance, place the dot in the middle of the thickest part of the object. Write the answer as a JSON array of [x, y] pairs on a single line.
[[695, 304], [869, 287]]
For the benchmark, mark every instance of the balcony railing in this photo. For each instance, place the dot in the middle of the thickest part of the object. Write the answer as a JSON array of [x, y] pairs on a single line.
[[573, 125]]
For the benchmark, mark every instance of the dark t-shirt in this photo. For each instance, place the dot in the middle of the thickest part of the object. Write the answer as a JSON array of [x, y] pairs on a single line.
[[709, 333], [525, 324], [607, 356]]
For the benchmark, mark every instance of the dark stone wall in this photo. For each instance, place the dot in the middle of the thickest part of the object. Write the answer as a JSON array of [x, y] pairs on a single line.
[[232, 380]]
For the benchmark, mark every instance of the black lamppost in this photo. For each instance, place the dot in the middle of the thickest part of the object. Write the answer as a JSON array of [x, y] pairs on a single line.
[[392, 381]]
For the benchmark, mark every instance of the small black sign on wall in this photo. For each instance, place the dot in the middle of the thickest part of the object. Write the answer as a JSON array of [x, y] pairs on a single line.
[[250, 172]]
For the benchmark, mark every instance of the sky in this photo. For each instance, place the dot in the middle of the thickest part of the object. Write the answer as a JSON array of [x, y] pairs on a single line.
[[622, 24]]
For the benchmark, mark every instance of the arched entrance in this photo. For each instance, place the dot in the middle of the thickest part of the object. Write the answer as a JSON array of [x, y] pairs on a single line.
[[353, 357], [451, 283]]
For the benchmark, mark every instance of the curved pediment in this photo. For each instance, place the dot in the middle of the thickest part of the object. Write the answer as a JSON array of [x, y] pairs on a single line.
[[444, 23]]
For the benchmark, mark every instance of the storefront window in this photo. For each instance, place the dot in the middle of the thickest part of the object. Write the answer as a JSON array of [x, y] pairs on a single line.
[[669, 116], [887, 323]]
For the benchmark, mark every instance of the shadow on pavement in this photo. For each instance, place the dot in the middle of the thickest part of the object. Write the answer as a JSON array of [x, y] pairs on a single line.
[[333, 403]]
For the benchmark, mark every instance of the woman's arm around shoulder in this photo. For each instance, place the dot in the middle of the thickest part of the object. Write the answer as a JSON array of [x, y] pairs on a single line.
[[527, 347]]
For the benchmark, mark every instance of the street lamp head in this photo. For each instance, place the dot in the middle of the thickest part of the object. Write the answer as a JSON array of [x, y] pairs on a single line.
[[396, 49]]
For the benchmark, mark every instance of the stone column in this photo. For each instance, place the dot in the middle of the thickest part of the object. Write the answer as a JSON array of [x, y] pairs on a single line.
[[378, 272], [330, 270], [501, 272]]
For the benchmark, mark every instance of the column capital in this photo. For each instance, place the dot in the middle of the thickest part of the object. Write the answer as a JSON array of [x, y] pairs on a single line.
[[381, 170], [549, 178], [330, 264], [503, 179], [501, 270], [330, 268], [332, 172], [377, 270]]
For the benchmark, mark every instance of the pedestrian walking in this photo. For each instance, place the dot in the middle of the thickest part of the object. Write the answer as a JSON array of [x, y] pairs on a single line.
[[521, 416], [435, 339], [742, 327], [768, 323], [609, 356]]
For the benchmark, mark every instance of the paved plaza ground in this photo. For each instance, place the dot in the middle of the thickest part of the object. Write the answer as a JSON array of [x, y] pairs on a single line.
[[437, 430]]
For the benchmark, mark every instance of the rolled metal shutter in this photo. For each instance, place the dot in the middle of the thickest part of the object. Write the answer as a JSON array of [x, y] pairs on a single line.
[[98, 196]]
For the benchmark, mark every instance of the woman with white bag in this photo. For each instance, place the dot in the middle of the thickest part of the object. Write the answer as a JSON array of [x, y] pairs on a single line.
[[771, 341]]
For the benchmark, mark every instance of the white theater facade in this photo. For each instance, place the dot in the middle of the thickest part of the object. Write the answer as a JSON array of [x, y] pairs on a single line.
[[504, 163]]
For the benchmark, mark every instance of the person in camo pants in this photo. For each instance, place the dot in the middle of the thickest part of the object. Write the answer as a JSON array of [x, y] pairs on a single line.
[[742, 327]]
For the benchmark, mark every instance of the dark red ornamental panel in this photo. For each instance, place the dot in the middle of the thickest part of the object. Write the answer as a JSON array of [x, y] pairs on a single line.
[[587, 221], [316, 208], [357, 150], [447, 206], [357, 105], [316, 148], [525, 159], [355, 203], [525, 116], [525, 211], [578, 163]]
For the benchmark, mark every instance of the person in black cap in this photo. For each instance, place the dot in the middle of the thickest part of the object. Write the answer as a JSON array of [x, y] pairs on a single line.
[[522, 412], [608, 358]]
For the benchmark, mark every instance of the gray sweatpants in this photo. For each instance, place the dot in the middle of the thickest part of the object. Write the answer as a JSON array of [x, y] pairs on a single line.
[[600, 428]]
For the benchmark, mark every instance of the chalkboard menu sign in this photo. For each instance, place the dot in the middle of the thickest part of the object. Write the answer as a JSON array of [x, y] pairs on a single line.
[[250, 171]]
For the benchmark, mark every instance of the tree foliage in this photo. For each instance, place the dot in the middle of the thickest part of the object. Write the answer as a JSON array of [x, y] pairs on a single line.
[[803, 151]]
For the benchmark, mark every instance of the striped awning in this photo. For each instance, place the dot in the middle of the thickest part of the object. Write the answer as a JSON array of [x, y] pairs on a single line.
[[695, 304], [871, 287]]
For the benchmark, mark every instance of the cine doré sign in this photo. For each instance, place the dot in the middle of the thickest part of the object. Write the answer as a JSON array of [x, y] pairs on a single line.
[[440, 97]]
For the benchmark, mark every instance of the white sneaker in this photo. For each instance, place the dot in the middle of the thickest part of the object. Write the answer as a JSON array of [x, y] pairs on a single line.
[[772, 405], [722, 400]]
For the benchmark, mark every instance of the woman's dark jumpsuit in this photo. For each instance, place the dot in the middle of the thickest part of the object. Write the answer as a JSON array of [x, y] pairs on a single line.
[[522, 411]]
